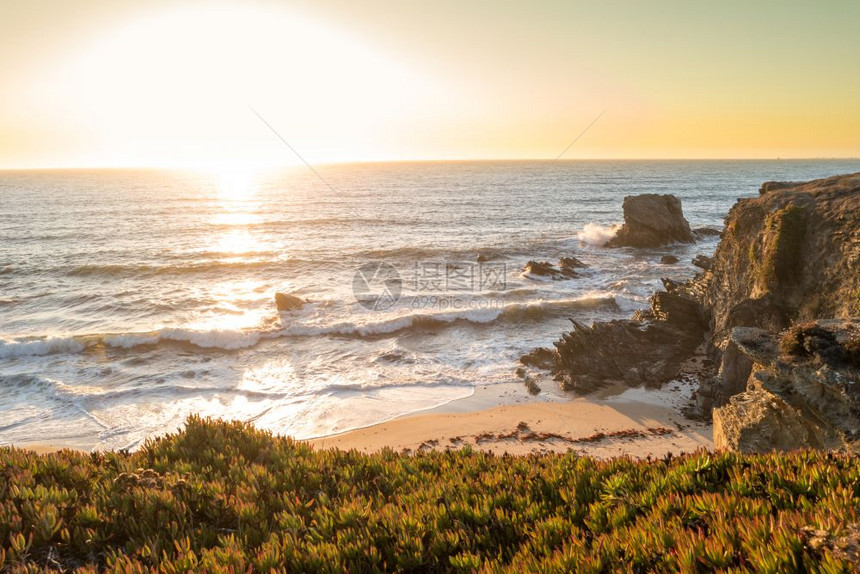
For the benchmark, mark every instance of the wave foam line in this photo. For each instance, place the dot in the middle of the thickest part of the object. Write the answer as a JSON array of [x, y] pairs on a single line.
[[235, 339]]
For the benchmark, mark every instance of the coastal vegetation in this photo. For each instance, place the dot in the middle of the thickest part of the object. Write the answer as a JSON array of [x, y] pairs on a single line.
[[223, 496]]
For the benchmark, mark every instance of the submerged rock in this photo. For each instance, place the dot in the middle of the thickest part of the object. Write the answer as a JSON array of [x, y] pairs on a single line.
[[652, 220], [571, 263], [669, 260], [287, 302], [567, 268], [702, 232]]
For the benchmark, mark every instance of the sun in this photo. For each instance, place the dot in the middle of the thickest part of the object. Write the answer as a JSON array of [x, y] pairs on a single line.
[[236, 182]]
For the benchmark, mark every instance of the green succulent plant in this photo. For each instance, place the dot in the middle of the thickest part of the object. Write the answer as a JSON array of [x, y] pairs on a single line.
[[223, 496]]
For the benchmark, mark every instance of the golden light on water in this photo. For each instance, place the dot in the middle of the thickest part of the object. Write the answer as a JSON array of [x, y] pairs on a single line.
[[237, 204], [229, 308], [240, 242]]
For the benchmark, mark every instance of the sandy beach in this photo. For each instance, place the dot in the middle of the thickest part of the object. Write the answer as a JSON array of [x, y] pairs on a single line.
[[615, 422]]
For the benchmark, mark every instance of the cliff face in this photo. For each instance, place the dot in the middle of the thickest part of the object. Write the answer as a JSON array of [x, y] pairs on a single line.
[[791, 254], [787, 257], [790, 257]]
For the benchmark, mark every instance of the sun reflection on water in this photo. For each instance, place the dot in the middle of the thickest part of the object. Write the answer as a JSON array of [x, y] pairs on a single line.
[[235, 305]]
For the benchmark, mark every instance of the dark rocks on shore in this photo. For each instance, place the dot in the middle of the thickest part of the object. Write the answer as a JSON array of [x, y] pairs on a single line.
[[287, 302], [669, 260], [540, 358], [648, 349], [652, 220], [702, 262], [567, 268]]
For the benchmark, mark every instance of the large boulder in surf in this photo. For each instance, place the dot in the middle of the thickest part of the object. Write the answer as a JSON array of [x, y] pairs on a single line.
[[287, 302], [652, 220]]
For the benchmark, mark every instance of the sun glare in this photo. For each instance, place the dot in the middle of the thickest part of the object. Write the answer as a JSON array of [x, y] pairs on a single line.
[[235, 182], [174, 89]]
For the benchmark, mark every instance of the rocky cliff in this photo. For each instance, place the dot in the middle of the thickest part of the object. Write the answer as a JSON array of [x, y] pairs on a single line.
[[787, 267], [788, 256], [791, 254], [803, 389]]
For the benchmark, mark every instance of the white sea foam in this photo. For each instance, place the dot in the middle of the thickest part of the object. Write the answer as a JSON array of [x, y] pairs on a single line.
[[37, 347], [596, 234]]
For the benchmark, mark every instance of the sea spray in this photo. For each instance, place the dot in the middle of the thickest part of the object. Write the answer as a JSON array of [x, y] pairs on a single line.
[[596, 234]]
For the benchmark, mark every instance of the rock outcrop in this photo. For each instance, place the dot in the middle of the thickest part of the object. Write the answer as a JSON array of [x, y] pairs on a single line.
[[791, 254], [648, 349], [803, 392], [652, 220], [776, 305], [787, 257]]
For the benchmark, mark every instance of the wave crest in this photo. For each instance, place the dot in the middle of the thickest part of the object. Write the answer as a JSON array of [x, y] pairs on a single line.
[[235, 339]]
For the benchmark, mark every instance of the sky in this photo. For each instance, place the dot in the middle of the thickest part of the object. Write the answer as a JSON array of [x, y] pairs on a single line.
[[177, 84]]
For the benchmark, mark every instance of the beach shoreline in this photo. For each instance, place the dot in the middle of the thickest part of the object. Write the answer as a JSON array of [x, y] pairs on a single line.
[[503, 418], [617, 421]]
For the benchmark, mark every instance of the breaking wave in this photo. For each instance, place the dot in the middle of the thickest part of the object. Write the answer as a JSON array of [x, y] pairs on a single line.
[[596, 234], [235, 339]]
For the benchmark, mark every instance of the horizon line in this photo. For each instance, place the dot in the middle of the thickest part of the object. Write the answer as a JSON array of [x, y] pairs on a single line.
[[192, 168]]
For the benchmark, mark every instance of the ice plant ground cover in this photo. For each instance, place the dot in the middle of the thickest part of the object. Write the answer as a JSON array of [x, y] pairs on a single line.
[[222, 496]]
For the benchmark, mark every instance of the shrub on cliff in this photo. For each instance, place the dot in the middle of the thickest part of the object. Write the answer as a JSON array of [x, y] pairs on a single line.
[[222, 496]]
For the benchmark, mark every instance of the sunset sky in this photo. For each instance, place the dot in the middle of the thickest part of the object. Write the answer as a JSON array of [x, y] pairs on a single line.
[[121, 83]]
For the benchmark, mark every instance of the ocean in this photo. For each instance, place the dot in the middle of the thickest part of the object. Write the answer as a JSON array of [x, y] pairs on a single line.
[[132, 298]]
